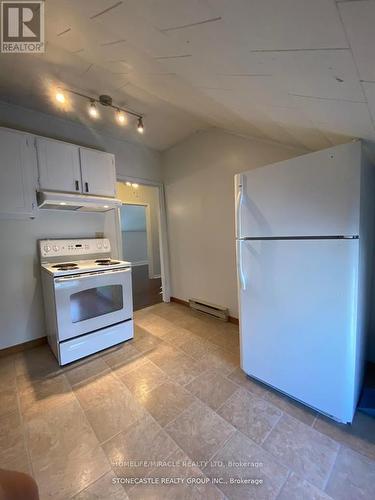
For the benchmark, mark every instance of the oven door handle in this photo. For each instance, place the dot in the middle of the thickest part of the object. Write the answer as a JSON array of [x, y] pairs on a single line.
[[92, 275]]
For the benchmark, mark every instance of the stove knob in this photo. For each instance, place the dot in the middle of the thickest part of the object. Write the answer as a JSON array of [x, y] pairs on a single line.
[[55, 248], [99, 245], [47, 248], [105, 244]]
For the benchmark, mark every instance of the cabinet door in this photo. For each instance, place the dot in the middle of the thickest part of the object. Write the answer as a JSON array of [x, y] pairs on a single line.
[[58, 164], [17, 174], [98, 173]]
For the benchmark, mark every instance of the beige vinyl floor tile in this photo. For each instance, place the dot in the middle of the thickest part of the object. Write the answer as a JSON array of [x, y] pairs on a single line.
[[212, 388], [303, 449], [166, 401], [199, 431], [7, 373], [241, 459], [252, 415], [44, 394], [353, 476], [133, 452], [297, 489], [62, 478], [104, 488], [144, 378], [8, 401], [175, 391], [94, 390], [60, 432], [222, 360], [11, 430], [115, 414], [90, 367]]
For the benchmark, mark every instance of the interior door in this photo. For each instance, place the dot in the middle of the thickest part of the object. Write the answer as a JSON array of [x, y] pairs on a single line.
[[92, 301], [98, 173], [314, 194], [58, 164], [297, 318]]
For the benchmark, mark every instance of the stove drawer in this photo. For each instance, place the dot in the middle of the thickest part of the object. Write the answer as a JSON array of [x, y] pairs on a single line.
[[78, 348]]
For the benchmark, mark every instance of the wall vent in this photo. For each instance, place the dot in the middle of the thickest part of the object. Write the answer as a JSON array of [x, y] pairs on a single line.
[[214, 310]]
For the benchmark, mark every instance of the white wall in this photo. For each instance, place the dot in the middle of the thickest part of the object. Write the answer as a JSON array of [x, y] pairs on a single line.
[[145, 195], [21, 304], [21, 309], [198, 175]]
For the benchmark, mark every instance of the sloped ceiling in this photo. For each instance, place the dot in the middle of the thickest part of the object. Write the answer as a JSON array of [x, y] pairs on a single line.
[[300, 72]]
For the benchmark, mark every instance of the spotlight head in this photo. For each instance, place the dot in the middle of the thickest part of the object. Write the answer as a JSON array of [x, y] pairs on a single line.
[[140, 126], [120, 117], [60, 97], [93, 111]]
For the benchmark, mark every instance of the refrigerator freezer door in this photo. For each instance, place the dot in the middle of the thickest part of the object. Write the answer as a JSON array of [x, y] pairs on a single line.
[[314, 194], [298, 319]]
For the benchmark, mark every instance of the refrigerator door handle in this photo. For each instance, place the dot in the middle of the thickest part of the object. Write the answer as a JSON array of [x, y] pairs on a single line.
[[241, 273], [239, 205]]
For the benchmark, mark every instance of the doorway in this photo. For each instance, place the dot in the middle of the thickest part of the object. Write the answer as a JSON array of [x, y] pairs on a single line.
[[140, 239]]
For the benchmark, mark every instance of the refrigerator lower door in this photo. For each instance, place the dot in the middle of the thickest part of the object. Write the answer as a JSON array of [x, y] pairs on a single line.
[[298, 310]]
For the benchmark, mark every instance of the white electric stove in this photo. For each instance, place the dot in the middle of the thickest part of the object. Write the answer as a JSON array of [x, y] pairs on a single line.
[[87, 297]]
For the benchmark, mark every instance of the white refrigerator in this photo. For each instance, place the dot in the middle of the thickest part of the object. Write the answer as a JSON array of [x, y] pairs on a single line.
[[304, 230]]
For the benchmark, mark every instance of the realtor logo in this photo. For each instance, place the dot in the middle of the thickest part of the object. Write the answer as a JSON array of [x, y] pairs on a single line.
[[22, 27]]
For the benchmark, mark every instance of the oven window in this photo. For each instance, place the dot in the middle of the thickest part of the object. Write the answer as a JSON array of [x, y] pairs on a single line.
[[95, 302]]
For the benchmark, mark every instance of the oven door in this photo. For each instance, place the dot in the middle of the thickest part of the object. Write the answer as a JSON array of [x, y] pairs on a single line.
[[88, 302]]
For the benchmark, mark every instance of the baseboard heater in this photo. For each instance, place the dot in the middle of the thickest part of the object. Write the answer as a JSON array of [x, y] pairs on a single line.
[[218, 312]]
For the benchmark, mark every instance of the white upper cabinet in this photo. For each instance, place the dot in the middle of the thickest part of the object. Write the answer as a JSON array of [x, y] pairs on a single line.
[[98, 173], [72, 169], [18, 169], [59, 168]]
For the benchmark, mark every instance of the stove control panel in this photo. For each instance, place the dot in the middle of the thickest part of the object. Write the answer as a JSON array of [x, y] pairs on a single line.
[[74, 248]]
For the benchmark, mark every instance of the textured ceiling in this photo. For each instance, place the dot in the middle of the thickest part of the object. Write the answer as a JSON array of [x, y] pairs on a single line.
[[300, 72]]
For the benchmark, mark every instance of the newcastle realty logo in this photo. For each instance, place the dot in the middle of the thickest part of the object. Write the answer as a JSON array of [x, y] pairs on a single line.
[[22, 27]]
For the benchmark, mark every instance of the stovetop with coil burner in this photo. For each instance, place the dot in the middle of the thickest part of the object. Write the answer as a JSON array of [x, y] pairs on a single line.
[[66, 257], [83, 266]]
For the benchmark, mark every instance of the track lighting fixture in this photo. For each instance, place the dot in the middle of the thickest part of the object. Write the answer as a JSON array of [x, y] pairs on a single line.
[[121, 114]]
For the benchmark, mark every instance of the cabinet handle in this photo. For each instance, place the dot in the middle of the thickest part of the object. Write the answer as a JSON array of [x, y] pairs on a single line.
[[77, 186], [86, 187]]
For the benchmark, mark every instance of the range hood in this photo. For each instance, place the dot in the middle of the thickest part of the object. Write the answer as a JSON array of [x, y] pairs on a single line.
[[53, 200]]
